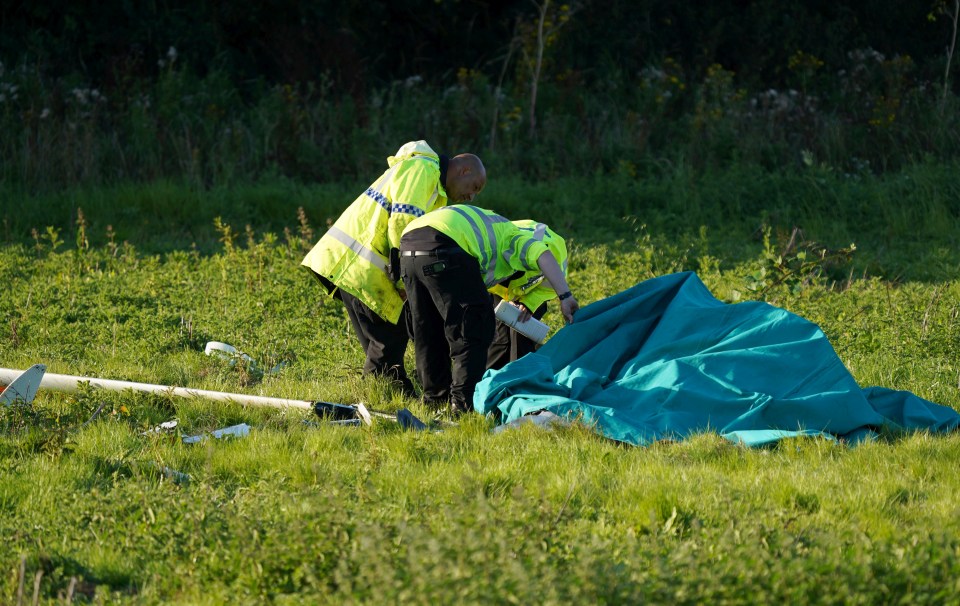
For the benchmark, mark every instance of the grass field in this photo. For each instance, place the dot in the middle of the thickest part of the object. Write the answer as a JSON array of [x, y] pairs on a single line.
[[130, 282]]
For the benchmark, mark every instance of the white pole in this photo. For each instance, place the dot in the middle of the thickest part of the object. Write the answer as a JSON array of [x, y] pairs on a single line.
[[71, 384]]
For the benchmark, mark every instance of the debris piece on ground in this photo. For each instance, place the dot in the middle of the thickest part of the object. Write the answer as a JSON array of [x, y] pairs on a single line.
[[408, 420], [334, 412], [227, 352], [23, 388], [364, 414], [544, 418], [232, 354], [348, 414], [234, 431], [165, 427], [93, 417], [177, 477], [73, 384]]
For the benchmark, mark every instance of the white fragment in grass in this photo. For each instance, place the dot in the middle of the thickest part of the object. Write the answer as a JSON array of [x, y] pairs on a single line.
[[23, 388], [364, 414], [232, 354], [165, 427], [227, 352], [234, 431]]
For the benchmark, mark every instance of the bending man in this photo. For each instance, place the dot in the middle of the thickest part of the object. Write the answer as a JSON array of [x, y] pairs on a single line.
[[448, 260], [357, 259]]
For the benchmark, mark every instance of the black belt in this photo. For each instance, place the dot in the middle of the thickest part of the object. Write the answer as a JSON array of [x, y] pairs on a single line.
[[428, 253]]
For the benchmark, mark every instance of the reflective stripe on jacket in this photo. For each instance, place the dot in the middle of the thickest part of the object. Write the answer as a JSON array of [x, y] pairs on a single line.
[[502, 248], [354, 253]]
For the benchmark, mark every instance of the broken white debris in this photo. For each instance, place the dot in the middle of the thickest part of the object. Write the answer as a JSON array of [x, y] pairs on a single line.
[[23, 386], [231, 353], [234, 431], [227, 352], [165, 427]]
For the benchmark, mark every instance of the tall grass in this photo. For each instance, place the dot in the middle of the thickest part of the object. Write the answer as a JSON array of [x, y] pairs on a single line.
[[904, 223]]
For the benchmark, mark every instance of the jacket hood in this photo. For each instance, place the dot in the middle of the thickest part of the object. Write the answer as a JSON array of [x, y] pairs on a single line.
[[411, 149]]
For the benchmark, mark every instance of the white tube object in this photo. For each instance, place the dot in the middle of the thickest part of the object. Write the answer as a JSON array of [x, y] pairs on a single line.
[[71, 384], [227, 351]]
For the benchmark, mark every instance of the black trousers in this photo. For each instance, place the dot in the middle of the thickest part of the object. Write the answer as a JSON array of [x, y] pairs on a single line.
[[453, 324], [383, 343], [509, 345]]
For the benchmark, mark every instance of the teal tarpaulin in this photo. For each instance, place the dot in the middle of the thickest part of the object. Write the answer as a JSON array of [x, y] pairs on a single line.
[[665, 360]]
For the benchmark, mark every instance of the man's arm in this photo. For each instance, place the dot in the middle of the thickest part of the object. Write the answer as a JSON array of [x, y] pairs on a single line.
[[554, 275]]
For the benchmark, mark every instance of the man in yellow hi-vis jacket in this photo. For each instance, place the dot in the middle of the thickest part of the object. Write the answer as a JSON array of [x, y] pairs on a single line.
[[357, 258], [449, 261]]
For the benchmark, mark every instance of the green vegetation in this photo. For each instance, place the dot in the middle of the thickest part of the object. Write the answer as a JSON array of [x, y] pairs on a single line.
[[541, 90], [130, 282]]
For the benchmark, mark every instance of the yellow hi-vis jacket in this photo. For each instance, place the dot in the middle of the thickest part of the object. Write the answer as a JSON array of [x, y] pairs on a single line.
[[354, 254], [503, 248]]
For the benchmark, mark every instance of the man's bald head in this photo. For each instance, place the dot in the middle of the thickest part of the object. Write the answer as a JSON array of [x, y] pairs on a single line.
[[466, 178]]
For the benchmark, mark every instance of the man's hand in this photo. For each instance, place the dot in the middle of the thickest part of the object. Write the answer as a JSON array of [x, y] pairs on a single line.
[[568, 307], [525, 313]]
